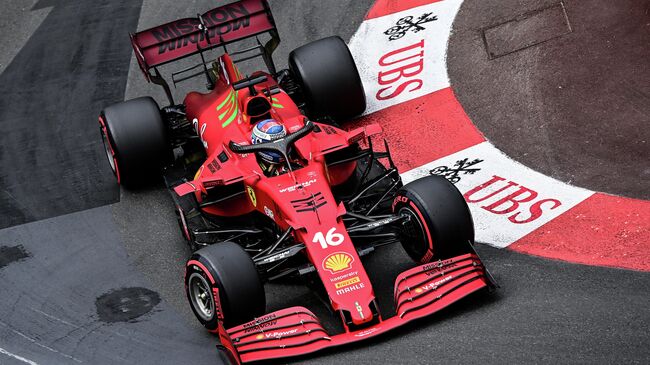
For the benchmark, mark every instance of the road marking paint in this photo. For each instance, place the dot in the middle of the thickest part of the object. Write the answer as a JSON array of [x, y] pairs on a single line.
[[37, 343], [17, 357]]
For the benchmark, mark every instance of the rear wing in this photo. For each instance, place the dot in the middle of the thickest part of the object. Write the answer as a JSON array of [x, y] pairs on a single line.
[[215, 28]]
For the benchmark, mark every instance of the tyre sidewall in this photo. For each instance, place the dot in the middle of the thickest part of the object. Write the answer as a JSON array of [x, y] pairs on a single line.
[[197, 264], [442, 210], [138, 139], [229, 270]]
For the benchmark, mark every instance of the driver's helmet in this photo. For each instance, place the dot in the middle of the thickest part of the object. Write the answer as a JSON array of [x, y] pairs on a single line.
[[267, 131]]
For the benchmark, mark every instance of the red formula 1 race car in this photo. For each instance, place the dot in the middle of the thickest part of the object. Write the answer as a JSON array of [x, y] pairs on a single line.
[[268, 186]]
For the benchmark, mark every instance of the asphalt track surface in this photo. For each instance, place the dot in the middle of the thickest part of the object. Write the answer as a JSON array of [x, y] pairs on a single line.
[[104, 286], [576, 106]]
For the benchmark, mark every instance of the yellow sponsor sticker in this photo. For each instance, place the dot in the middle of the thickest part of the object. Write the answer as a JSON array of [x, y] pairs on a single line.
[[348, 282]]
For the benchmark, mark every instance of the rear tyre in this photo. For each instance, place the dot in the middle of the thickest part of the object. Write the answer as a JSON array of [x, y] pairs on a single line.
[[329, 79], [440, 224], [135, 140], [221, 281]]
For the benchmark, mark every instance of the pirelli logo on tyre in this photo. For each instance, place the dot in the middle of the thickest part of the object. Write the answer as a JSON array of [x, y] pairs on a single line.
[[347, 282]]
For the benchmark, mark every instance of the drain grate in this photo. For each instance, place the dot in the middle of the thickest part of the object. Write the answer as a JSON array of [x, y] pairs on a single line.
[[526, 30]]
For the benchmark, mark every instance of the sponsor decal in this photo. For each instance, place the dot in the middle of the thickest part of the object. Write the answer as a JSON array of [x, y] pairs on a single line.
[[276, 334], [214, 166], [331, 239], [344, 276], [399, 199], [399, 69], [276, 257], [367, 332], [508, 200], [337, 262], [329, 130], [359, 309], [269, 212], [300, 185], [517, 195], [251, 195], [407, 24], [434, 285], [347, 282], [438, 267], [350, 289], [380, 223], [461, 166], [179, 33], [407, 59], [217, 303], [260, 323]]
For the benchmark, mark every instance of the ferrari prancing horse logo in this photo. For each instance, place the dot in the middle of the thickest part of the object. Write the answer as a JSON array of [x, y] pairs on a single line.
[[251, 194]]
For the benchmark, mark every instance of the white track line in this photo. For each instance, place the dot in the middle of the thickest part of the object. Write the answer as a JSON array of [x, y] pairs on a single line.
[[17, 357]]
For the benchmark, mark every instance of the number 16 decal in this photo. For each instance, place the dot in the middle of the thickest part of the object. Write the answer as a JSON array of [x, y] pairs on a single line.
[[331, 239]]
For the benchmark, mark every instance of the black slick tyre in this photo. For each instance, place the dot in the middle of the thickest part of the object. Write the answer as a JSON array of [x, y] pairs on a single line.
[[135, 140], [440, 224], [329, 79], [221, 283]]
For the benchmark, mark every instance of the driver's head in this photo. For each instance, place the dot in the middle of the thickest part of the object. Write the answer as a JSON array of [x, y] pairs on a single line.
[[267, 131]]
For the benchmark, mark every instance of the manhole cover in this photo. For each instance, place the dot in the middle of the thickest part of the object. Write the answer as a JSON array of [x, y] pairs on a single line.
[[527, 30]]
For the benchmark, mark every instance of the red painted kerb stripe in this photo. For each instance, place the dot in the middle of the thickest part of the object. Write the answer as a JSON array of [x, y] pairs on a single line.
[[602, 230]]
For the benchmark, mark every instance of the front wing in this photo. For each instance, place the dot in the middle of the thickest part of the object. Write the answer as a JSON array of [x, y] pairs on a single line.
[[419, 292]]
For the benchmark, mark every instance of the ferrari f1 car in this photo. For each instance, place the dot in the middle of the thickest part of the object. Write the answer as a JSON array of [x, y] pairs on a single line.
[[330, 199]]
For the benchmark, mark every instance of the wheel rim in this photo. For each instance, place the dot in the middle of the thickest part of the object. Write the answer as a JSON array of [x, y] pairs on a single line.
[[414, 236], [109, 151], [201, 296]]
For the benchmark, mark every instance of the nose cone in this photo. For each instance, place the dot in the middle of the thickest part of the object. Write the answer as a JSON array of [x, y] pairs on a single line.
[[361, 314]]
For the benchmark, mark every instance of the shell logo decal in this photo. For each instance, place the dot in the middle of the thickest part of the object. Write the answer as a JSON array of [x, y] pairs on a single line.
[[337, 262]]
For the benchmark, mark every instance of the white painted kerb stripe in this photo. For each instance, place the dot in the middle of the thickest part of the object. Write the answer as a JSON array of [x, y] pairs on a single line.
[[369, 44], [499, 221]]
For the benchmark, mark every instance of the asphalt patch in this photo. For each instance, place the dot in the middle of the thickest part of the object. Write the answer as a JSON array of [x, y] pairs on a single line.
[[126, 304], [527, 30], [11, 254]]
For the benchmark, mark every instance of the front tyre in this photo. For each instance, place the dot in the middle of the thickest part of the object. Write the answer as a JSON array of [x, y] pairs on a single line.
[[221, 283], [439, 223]]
